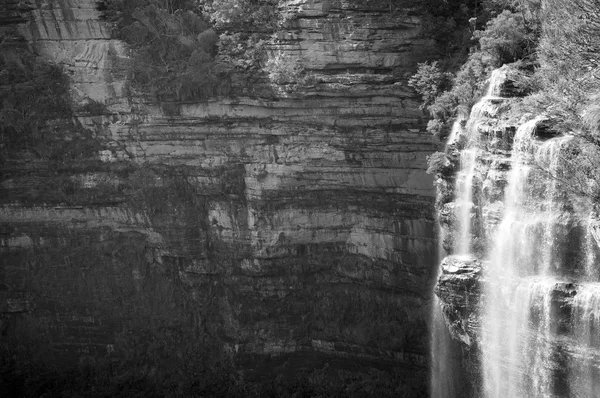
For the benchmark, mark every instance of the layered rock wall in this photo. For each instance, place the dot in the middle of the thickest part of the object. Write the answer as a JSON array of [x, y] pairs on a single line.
[[295, 223]]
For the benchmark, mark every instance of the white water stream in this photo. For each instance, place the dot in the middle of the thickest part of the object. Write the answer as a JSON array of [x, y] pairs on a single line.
[[486, 107], [444, 351], [540, 313]]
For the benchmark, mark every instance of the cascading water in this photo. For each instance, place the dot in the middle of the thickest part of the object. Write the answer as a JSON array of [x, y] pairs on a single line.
[[585, 377], [540, 312], [445, 353], [444, 375], [524, 351], [487, 106]]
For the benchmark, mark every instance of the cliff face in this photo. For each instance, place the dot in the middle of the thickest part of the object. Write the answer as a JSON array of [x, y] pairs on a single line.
[[289, 225]]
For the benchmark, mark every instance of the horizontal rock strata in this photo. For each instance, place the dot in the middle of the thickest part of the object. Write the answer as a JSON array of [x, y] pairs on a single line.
[[290, 223]]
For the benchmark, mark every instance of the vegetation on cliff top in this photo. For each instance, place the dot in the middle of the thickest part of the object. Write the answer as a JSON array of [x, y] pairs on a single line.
[[553, 46], [504, 38], [558, 43]]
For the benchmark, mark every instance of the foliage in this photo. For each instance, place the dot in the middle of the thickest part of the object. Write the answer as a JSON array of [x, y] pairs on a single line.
[[505, 38], [554, 48], [581, 174], [568, 82], [568, 78], [436, 127], [283, 70], [445, 95], [253, 15], [528, 9], [591, 116], [241, 50], [33, 93], [35, 108], [451, 24], [429, 82], [466, 86], [571, 34]]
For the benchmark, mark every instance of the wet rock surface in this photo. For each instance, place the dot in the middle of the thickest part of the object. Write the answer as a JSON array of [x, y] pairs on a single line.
[[523, 302], [459, 288]]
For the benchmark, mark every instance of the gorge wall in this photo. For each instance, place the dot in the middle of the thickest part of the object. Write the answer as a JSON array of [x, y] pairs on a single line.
[[282, 228], [519, 290]]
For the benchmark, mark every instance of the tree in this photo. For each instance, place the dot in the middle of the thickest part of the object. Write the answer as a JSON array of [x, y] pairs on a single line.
[[505, 38], [429, 82]]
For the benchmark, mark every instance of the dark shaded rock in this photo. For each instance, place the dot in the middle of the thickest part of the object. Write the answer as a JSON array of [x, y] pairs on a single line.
[[290, 225]]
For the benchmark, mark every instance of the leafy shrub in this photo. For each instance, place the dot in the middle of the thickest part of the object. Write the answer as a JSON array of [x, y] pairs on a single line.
[[283, 70], [241, 50], [466, 86], [505, 38], [436, 127], [253, 15], [429, 82], [568, 58], [451, 23], [469, 80], [591, 116], [566, 82], [447, 23]]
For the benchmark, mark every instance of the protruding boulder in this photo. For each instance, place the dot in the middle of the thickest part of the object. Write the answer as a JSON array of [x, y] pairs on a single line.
[[459, 291]]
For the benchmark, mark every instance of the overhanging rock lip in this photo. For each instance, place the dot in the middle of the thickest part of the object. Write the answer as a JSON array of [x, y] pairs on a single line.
[[461, 264]]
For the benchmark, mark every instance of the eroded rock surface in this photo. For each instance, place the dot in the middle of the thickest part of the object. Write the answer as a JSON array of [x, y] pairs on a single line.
[[291, 223]]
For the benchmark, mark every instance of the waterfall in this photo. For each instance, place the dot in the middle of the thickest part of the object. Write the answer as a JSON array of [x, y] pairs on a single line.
[[444, 354], [523, 352], [585, 377], [486, 107], [444, 361], [540, 306]]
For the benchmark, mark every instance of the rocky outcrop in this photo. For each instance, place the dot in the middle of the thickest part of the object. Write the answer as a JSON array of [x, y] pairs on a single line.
[[459, 290], [294, 223]]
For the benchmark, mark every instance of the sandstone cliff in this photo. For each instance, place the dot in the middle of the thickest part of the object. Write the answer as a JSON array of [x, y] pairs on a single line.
[[281, 227], [523, 299]]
